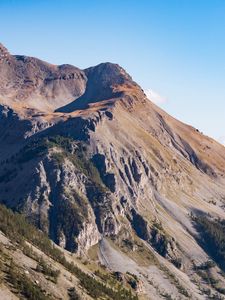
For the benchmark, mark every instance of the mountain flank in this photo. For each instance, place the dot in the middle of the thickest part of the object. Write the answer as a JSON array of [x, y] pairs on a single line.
[[90, 161]]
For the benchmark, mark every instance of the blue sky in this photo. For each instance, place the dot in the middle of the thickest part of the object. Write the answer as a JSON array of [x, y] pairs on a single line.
[[172, 48]]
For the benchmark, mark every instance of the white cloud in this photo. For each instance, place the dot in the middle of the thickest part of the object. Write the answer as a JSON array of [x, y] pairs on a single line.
[[155, 97]]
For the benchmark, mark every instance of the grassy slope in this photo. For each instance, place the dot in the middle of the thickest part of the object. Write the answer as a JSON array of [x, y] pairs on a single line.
[[50, 262]]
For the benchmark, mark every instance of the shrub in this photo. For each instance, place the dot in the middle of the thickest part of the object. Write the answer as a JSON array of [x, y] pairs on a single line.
[[15, 226], [47, 270], [24, 285], [213, 237], [73, 295]]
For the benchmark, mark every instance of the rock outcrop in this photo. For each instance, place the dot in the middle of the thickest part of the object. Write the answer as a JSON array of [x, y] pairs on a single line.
[[85, 155]]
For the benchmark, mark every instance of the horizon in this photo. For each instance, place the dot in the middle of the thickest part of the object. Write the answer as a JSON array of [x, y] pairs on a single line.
[[174, 50]]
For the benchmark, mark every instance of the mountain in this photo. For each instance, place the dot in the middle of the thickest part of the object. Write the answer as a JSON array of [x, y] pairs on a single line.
[[32, 267], [99, 168]]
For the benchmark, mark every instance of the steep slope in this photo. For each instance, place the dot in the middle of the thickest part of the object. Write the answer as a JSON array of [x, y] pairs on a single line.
[[91, 158], [104, 82], [32, 267]]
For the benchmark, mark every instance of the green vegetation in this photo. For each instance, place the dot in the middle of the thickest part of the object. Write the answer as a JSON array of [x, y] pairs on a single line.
[[70, 209], [213, 237], [39, 147], [160, 239], [74, 151], [182, 290], [28, 251], [23, 285], [213, 241], [117, 279], [68, 149], [47, 270], [208, 277], [15, 226], [132, 280], [73, 295], [206, 265], [69, 216], [134, 247]]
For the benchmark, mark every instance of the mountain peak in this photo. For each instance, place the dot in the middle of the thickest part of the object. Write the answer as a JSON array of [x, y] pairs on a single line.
[[116, 171], [4, 54], [105, 81], [109, 72], [62, 88]]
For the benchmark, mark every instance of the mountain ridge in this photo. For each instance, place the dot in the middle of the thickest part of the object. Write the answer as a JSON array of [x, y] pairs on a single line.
[[31, 77], [92, 161]]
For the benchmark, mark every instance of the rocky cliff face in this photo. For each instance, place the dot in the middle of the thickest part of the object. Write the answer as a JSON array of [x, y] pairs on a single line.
[[85, 155]]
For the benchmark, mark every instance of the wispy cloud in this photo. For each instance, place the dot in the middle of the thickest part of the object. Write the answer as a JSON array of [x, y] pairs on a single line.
[[155, 97]]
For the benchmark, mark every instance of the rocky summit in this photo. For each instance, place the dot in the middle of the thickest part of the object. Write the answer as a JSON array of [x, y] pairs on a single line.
[[108, 175]]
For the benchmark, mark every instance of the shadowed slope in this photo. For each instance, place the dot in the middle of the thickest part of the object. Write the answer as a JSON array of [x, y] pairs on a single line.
[[108, 163], [30, 82], [104, 82]]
